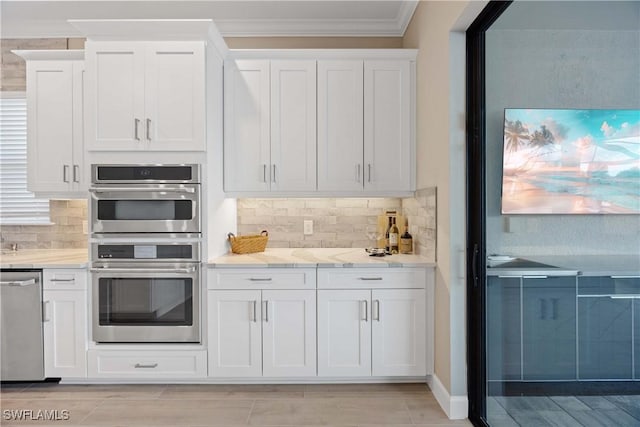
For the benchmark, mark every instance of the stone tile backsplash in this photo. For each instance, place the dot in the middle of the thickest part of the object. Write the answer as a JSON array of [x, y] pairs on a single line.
[[66, 232], [337, 222]]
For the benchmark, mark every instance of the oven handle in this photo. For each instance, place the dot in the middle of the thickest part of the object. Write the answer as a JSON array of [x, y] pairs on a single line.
[[145, 190], [143, 270]]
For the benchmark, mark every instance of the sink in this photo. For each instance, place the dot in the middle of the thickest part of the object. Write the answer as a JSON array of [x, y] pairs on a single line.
[[523, 263], [525, 267]]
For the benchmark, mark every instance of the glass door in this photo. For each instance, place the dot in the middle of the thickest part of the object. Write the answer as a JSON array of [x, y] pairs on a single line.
[[553, 208]]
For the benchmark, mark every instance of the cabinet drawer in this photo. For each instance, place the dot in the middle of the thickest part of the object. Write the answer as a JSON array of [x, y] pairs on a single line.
[[262, 278], [147, 364], [67, 279], [371, 278]]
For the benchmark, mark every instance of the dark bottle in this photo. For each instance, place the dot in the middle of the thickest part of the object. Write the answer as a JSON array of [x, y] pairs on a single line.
[[406, 241]]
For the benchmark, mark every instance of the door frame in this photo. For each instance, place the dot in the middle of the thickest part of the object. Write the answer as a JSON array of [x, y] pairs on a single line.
[[476, 210]]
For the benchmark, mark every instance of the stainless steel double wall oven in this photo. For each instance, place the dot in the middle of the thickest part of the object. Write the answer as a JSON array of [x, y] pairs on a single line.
[[145, 253]]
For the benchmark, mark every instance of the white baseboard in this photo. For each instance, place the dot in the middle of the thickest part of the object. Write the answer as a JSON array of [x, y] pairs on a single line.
[[456, 407]]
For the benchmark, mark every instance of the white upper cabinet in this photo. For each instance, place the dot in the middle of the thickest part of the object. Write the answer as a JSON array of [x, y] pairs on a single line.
[[55, 152], [340, 125], [247, 149], [337, 123], [270, 126], [293, 125], [145, 96], [387, 125]]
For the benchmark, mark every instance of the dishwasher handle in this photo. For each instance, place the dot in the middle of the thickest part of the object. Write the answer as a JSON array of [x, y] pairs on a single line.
[[27, 282]]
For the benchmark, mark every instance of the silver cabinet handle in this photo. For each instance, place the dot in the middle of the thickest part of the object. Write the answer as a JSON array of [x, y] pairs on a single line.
[[254, 303], [621, 296], [273, 177], [65, 172], [149, 130], [145, 365], [265, 309], [369, 168], [136, 123], [46, 315], [19, 282], [259, 279], [625, 277], [358, 172], [376, 305], [370, 278], [264, 173], [365, 316], [62, 280], [76, 173]]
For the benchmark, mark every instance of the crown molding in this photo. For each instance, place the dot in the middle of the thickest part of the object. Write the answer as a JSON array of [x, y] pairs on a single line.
[[395, 27]]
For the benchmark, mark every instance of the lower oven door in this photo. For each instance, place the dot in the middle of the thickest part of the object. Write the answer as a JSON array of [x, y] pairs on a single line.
[[146, 303]]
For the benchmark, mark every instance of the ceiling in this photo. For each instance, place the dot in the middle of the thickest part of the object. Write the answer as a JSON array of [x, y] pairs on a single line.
[[234, 18]]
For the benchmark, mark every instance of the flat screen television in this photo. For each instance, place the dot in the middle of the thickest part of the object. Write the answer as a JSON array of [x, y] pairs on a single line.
[[571, 161]]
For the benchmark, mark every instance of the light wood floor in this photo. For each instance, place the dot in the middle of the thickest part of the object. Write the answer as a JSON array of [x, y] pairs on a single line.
[[352, 405], [564, 411]]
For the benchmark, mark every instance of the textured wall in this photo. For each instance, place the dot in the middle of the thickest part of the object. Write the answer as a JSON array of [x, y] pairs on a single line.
[[65, 232], [557, 69], [337, 222], [12, 77]]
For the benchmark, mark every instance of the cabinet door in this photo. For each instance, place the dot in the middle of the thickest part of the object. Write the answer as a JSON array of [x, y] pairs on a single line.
[[340, 125], [235, 348], [50, 132], [79, 171], [175, 96], [549, 328], [115, 95], [65, 334], [293, 125], [247, 156], [289, 333], [504, 331], [604, 338], [387, 125], [398, 332], [344, 333]]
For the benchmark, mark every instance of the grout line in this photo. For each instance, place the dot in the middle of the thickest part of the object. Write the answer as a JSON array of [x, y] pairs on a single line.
[[253, 404], [92, 411]]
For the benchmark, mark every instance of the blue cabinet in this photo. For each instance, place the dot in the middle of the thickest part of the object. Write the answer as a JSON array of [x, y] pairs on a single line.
[[549, 328], [504, 332], [606, 327], [531, 328]]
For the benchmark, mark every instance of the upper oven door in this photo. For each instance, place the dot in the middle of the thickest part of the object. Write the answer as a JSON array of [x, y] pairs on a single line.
[[151, 208]]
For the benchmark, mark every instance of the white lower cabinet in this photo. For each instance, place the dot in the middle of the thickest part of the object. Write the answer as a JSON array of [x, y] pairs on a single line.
[[344, 333], [156, 364], [255, 333], [65, 323], [373, 322], [380, 332], [398, 332]]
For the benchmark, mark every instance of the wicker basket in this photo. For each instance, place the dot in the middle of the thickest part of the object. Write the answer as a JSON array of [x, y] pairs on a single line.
[[248, 244]]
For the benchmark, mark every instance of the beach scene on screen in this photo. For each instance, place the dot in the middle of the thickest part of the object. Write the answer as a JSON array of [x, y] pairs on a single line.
[[571, 161]]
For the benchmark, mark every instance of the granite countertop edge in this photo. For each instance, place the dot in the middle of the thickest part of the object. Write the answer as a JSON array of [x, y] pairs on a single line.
[[45, 258]]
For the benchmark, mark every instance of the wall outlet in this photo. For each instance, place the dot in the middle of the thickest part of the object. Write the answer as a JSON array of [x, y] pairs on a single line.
[[308, 227], [85, 227]]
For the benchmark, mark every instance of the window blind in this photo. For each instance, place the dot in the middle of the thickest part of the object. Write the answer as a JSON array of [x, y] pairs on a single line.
[[17, 205]]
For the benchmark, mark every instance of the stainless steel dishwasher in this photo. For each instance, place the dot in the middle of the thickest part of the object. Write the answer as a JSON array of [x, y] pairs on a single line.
[[22, 351]]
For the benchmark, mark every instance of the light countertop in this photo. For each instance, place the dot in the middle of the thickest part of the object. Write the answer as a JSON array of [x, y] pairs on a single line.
[[317, 257], [45, 258]]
